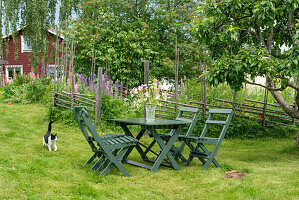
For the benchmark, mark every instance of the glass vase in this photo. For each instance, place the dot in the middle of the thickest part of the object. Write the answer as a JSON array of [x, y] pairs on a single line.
[[150, 112]]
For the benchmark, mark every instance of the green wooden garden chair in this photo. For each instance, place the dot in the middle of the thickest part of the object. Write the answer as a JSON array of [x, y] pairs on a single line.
[[200, 150], [185, 114], [109, 148]]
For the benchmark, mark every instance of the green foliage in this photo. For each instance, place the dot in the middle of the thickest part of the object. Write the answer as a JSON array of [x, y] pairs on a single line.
[[61, 115], [113, 108], [246, 38], [248, 129], [126, 33], [25, 90]]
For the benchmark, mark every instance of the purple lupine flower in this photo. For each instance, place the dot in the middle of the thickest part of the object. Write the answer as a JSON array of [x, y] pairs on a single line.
[[109, 85], [103, 84], [121, 86], [85, 82], [89, 81], [108, 88], [117, 84], [42, 69], [47, 69], [106, 77], [94, 76], [82, 79], [93, 88]]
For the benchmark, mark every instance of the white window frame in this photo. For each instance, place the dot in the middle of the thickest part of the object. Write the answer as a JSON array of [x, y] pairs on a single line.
[[12, 66], [23, 45]]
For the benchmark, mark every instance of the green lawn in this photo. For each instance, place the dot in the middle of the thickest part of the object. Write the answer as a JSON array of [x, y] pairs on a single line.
[[29, 171]]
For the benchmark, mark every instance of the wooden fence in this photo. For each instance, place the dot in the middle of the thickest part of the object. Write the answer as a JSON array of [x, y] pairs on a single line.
[[70, 99], [266, 113]]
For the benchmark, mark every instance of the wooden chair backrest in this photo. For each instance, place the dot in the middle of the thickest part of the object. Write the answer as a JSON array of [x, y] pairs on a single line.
[[87, 127], [229, 114]]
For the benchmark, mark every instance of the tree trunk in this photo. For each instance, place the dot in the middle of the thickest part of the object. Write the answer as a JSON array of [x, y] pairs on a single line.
[[289, 109], [297, 139]]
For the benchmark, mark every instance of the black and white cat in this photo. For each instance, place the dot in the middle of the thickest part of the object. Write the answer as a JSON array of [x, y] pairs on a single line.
[[50, 139]]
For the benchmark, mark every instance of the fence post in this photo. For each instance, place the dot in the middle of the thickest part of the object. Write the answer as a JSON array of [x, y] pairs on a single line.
[[127, 88], [146, 80], [234, 100], [73, 90], [204, 88], [98, 96], [265, 107], [176, 77]]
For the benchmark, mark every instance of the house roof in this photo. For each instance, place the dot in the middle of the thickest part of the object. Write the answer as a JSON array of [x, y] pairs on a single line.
[[52, 31]]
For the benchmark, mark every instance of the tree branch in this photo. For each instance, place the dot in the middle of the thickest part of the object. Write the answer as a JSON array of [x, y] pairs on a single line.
[[269, 88], [259, 32], [269, 39], [290, 24], [234, 20], [292, 85]]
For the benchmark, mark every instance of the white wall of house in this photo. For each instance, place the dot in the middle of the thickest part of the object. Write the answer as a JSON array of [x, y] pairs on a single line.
[[259, 80]]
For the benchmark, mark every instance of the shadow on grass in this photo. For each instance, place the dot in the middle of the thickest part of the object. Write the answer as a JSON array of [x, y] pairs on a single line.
[[292, 150]]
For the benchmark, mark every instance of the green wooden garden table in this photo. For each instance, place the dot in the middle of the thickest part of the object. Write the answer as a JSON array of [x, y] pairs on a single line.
[[176, 125]]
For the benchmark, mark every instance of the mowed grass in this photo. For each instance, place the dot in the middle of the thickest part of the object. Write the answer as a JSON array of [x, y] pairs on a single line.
[[29, 171]]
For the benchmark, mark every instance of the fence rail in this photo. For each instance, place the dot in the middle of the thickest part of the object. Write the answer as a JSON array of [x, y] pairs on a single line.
[[242, 110]]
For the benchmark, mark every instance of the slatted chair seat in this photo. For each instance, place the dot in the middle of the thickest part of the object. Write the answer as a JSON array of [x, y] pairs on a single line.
[[109, 148], [200, 150], [207, 140]]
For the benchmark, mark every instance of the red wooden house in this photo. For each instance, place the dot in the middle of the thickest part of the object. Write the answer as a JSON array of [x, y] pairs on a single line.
[[23, 64]]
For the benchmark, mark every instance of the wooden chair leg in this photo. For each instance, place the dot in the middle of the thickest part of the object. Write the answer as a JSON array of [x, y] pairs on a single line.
[[188, 161], [98, 163], [103, 165], [210, 157], [94, 156], [115, 160]]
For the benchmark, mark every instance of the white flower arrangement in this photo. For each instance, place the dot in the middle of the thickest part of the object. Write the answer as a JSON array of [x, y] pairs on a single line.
[[148, 94]]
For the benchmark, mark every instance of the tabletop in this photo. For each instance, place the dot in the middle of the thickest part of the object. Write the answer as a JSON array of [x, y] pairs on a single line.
[[157, 123]]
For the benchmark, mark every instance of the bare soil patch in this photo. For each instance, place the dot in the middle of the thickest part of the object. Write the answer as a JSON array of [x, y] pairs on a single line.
[[234, 174]]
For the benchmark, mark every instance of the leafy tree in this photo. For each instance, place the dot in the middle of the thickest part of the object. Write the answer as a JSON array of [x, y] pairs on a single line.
[[248, 38], [128, 32]]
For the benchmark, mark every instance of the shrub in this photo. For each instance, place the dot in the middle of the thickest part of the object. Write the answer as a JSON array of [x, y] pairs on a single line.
[[33, 91]]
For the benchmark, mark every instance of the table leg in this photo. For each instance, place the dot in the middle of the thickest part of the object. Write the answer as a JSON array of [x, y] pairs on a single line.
[[165, 149]]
